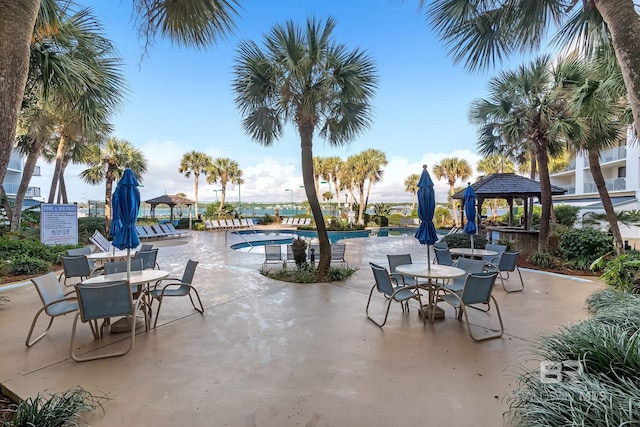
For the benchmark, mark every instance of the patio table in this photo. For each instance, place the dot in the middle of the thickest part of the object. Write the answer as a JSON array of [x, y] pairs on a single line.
[[472, 253], [430, 272]]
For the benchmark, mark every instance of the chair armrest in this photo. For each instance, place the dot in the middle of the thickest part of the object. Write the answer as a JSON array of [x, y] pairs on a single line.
[[395, 276]]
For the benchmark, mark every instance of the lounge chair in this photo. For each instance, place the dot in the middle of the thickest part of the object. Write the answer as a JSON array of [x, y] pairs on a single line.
[[290, 257], [337, 253], [102, 302], [142, 233], [272, 254], [400, 294], [55, 302], [100, 241], [295, 221], [476, 289], [174, 287], [180, 233], [159, 232], [305, 221]]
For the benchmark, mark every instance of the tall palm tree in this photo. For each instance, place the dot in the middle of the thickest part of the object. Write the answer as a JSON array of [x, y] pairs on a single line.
[[108, 164], [411, 186], [225, 171], [304, 77], [195, 163], [376, 160], [189, 23], [485, 31], [453, 169], [530, 106], [318, 171], [332, 167]]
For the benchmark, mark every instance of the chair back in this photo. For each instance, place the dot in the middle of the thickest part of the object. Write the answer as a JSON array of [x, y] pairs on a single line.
[[508, 261], [79, 251], [478, 287], [100, 241], [141, 231], [494, 259], [121, 266], [105, 300], [396, 260], [189, 271], [75, 266], [470, 265], [148, 258], [443, 256], [337, 251], [49, 289], [146, 247], [272, 253], [442, 244], [383, 281], [290, 255]]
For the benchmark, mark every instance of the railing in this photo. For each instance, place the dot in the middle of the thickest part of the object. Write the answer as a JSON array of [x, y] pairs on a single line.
[[15, 164], [10, 188], [571, 189], [615, 184], [36, 171], [611, 155], [33, 192], [570, 167]]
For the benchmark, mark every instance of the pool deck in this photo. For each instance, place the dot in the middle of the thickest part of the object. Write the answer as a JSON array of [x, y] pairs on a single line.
[[269, 353]]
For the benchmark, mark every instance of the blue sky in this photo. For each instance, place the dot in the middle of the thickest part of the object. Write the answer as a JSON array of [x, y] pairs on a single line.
[[181, 99]]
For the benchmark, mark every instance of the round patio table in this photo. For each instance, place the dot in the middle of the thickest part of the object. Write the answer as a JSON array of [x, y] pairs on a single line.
[[472, 253]]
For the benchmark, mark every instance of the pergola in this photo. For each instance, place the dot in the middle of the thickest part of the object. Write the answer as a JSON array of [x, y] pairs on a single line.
[[171, 200], [507, 186]]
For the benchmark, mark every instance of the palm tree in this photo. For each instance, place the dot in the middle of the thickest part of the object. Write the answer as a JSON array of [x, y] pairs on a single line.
[[529, 106], [453, 169], [491, 30], [318, 170], [302, 76], [195, 163], [377, 161], [411, 186], [192, 23], [108, 164], [332, 167], [224, 171]]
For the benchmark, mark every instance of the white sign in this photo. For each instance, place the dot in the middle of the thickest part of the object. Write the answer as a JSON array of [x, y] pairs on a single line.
[[59, 224]]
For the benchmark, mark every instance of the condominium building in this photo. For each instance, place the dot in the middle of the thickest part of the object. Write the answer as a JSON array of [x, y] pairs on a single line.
[[12, 181], [621, 171]]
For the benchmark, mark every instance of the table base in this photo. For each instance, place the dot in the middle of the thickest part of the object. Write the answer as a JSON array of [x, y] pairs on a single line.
[[123, 325], [426, 311]]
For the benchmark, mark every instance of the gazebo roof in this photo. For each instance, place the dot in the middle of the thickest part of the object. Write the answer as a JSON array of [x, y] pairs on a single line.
[[507, 185], [170, 199]]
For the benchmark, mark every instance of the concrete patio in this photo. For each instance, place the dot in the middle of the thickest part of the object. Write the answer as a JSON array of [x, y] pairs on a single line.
[[268, 353]]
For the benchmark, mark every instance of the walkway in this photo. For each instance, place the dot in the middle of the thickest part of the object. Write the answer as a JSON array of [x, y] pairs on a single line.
[[268, 353]]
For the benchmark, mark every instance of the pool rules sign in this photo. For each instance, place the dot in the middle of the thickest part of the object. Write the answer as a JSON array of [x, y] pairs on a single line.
[[59, 224]]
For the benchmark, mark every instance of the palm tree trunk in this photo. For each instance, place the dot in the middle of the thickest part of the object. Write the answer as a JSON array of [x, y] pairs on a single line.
[[622, 20], [337, 190], [17, 19], [60, 152], [598, 179], [545, 197], [306, 144], [529, 204], [195, 191], [27, 174], [222, 198], [107, 200], [361, 209], [454, 211], [62, 187]]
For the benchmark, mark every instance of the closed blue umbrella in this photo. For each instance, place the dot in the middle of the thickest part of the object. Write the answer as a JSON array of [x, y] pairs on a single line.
[[125, 205], [470, 211], [426, 233]]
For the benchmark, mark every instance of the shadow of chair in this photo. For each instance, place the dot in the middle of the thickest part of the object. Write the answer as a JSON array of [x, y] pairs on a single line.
[[178, 288], [75, 266], [476, 290], [400, 294], [508, 263], [101, 302], [55, 302]]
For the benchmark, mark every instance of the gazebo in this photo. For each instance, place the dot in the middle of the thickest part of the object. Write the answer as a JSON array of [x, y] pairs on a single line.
[[171, 200], [508, 186]]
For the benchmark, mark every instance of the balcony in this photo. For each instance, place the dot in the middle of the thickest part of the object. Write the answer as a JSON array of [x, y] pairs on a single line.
[[570, 168], [15, 164], [12, 190], [36, 171], [571, 189], [615, 184], [608, 156]]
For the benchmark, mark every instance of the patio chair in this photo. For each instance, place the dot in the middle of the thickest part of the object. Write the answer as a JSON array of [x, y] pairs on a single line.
[[337, 253], [100, 241], [121, 267], [442, 244], [146, 247], [86, 250], [148, 258], [272, 254], [400, 294], [476, 290], [443, 256], [394, 262], [494, 259], [175, 287], [75, 266], [508, 264], [470, 266], [102, 302], [55, 302]]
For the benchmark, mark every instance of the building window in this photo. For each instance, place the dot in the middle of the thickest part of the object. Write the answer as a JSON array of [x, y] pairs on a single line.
[[622, 172]]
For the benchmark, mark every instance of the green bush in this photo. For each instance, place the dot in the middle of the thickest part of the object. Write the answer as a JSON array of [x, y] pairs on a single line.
[[463, 240], [442, 217], [582, 246], [88, 225], [541, 259], [23, 264], [394, 219], [307, 273], [566, 214], [621, 272]]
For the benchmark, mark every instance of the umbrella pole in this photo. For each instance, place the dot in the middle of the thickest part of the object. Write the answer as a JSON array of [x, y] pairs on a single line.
[[429, 258], [128, 264], [472, 243]]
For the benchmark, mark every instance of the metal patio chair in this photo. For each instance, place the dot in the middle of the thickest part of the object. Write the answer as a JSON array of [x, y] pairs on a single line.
[[174, 287], [400, 294]]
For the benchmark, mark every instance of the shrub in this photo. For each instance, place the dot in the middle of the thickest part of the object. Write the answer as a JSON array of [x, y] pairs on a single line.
[[583, 246], [442, 217], [23, 264], [463, 240], [307, 273], [541, 259], [509, 243], [88, 225], [394, 219], [566, 215], [621, 272]]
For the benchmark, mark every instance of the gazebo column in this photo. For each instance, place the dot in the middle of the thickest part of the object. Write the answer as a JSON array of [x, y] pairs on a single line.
[[510, 202]]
